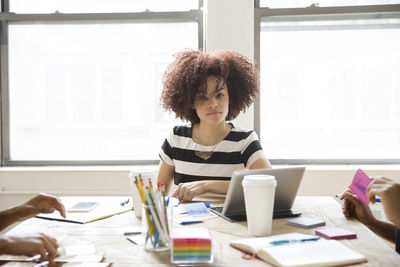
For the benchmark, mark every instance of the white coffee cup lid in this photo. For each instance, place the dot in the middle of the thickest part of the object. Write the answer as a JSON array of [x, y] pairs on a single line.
[[259, 180]]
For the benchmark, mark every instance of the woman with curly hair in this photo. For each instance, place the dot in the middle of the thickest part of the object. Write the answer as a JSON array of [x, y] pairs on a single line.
[[208, 90]]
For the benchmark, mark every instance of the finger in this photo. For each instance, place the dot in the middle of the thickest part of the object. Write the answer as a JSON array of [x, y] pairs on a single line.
[[354, 200], [50, 246], [176, 192], [346, 193], [374, 191], [191, 196], [60, 207], [182, 193], [186, 196], [42, 252]]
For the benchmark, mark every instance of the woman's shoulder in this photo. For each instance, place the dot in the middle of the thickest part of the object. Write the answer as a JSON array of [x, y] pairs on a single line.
[[183, 130], [239, 133]]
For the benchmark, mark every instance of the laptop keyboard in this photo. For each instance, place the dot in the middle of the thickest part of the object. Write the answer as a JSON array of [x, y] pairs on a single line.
[[218, 209]]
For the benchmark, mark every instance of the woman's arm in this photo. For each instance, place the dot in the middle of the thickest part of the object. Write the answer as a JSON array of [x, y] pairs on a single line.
[[187, 191], [262, 163], [354, 208], [165, 175], [42, 203]]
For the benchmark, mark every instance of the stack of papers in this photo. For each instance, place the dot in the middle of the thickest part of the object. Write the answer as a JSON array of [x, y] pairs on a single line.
[[190, 245]]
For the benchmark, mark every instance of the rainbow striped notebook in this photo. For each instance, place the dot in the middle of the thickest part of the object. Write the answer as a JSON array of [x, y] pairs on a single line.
[[190, 245]]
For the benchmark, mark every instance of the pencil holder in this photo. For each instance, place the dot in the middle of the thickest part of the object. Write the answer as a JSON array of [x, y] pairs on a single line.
[[156, 226]]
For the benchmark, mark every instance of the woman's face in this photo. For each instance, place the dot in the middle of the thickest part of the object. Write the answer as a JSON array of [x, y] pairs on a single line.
[[213, 106]]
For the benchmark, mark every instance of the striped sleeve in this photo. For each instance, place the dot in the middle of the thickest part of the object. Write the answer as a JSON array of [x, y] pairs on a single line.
[[166, 153], [252, 150]]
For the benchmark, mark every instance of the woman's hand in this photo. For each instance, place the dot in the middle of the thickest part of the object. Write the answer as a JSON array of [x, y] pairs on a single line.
[[30, 245], [389, 192], [45, 203], [185, 192], [354, 208]]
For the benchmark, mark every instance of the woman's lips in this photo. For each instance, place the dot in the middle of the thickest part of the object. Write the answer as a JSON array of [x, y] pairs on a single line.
[[214, 113]]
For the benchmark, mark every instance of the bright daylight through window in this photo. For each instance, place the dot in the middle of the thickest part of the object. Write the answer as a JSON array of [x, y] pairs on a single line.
[[330, 88], [89, 89]]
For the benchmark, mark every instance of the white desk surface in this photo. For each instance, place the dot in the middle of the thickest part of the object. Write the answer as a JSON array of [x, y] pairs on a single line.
[[107, 236]]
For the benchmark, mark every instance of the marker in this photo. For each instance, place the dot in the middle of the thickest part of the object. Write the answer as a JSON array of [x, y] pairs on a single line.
[[287, 241]]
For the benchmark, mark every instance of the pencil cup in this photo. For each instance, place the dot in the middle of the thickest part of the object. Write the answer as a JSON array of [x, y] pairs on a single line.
[[156, 226], [259, 195], [145, 174]]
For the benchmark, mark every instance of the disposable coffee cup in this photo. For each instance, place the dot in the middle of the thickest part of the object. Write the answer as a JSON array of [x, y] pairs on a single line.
[[146, 174], [259, 195]]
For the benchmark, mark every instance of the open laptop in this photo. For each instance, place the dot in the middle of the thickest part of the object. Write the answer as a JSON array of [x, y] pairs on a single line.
[[288, 182]]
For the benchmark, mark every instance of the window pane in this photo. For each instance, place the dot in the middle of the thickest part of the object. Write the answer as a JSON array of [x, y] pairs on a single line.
[[331, 92], [91, 91], [323, 3], [100, 6]]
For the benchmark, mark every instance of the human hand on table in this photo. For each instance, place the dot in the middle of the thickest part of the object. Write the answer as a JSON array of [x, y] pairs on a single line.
[[185, 192], [29, 245]]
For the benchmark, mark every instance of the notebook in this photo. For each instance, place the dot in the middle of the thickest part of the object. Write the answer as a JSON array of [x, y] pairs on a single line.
[[305, 222], [107, 207], [335, 233], [311, 253]]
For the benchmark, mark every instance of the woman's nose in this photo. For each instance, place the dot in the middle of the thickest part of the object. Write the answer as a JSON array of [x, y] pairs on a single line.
[[213, 102]]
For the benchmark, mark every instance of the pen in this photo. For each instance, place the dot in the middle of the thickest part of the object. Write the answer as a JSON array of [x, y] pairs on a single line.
[[123, 203], [34, 258], [287, 241], [42, 264], [377, 199]]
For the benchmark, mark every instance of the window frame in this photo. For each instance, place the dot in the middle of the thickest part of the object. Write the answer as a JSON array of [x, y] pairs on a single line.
[[328, 13], [195, 16]]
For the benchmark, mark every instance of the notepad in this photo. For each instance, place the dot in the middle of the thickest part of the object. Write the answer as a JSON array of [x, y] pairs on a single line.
[[306, 223], [314, 253], [190, 246], [335, 233], [196, 209], [107, 207], [359, 186]]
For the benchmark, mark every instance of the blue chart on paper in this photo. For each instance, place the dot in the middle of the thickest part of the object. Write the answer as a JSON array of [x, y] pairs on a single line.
[[196, 209]]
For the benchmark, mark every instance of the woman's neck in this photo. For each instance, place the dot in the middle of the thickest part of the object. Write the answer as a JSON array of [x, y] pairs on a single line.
[[210, 134]]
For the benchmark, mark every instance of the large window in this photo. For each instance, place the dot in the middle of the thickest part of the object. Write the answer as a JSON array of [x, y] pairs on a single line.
[[84, 88], [330, 84]]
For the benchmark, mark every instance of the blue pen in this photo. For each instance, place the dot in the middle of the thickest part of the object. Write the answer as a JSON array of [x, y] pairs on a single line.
[[287, 241], [377, 199], [123, 203]]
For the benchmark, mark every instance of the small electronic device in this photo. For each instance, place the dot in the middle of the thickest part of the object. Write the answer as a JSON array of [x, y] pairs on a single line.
[[83, 206]]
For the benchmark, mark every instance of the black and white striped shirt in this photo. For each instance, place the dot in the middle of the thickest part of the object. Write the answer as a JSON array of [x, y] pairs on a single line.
[[238, 150]]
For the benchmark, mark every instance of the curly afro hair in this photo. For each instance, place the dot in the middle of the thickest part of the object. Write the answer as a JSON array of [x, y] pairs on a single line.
[[187, 76]]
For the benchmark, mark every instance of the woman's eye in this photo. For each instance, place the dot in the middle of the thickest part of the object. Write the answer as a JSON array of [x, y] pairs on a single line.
[[202, 98], [220, 95]]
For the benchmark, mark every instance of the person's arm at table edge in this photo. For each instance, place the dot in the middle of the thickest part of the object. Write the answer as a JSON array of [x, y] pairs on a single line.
[[221, 187], [165, 175], [384, 229], [42, 203]]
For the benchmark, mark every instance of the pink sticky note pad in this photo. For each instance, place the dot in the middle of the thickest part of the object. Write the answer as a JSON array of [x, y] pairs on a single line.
[[335, 233], [360, 184]]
